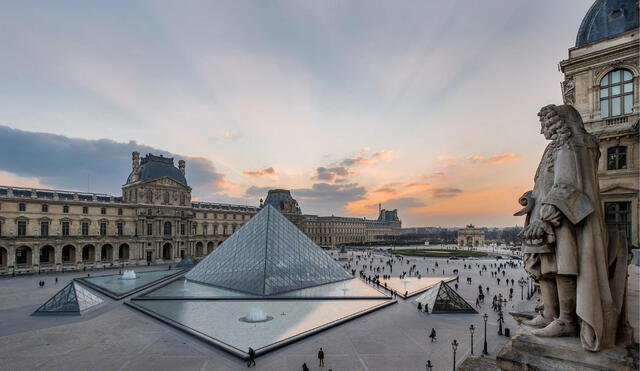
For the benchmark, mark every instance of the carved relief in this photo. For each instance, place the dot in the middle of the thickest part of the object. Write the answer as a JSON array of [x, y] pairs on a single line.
[[569, 91]]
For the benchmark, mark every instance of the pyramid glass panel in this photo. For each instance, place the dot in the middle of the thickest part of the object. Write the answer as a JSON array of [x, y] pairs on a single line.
[[72, 299], [442, 298], [268, 255]]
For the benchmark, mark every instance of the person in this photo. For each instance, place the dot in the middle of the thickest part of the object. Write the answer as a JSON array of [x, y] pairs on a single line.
[[304, 367], [426, 308], [456, 286], [405, 294], [433, 335], [321, 357], [252, 357], [56, 280], [419, 307]]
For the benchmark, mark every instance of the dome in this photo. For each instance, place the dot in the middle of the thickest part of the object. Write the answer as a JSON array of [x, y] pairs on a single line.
[[607, 18], [156, 167]]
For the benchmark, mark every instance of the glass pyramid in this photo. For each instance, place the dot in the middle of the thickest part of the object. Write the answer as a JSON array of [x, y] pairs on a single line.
[[266, 256], [72, 299], [441, 298]]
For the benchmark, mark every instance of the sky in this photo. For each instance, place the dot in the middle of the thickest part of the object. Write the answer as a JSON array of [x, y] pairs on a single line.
[[428, 107]]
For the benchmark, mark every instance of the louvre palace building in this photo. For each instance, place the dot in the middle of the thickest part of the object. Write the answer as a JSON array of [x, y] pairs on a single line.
[[602, 80], [154, 221]]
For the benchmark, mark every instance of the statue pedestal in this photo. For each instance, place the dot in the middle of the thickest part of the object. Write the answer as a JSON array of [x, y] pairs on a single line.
[[528, 352]]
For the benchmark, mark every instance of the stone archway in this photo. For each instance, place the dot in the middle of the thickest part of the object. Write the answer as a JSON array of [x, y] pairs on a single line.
[[199, 249], [167, 251], [24, 256], [88, 254], [68, 254], [209, 247], [123, 252], [106, 253], [47, 255], [469, 241], [3, 257]]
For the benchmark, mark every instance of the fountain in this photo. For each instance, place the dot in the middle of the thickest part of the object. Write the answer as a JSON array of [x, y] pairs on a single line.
[[256, 314], [128, 275]]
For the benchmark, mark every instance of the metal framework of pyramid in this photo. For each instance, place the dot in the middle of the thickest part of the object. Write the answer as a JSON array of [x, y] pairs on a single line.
[[268, 255], [441, 298], [72, 299]]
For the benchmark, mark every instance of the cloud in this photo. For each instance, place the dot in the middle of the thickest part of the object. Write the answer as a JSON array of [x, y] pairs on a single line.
[[387, 190], [225, 135], [386, 155], [401, 203], [270, 171], [496, 158], [324, 198], [335, 174], [101, 165], [437, 174], [446, 192], [255, 191]]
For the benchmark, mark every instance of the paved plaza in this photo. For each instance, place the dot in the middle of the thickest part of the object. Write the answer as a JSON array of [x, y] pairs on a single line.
[[116, 337]]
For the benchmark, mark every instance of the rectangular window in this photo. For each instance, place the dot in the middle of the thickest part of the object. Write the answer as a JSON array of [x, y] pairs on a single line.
[[617, 215], [65, 209], [22, 207], [628, 104], [45, 208], [604, 108], [85, 210], [120, 229], [85, 229], [205, 215], [182, 229], [44, 228], [65, 228], [119, 211], [103, 229], [103, 210], [149, 229], [615, 106], [22, 228]]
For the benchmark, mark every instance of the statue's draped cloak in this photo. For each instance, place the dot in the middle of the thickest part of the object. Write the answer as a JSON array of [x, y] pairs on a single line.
[[567, 179]]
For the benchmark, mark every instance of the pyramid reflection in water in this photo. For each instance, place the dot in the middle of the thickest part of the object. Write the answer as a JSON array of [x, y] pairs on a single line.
[[268, 255]]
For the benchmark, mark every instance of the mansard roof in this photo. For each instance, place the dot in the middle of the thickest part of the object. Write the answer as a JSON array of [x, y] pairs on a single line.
[[155, 167], [607, 18]]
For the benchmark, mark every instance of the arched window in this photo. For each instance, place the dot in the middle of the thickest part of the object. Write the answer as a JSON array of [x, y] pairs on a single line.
[[617, 158], [166, 197], [616, 93], [167, 228]]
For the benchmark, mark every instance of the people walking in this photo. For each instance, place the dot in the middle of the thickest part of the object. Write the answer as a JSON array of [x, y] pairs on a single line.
[[305, 367], [252, 357], [321, 357], [432, 336]]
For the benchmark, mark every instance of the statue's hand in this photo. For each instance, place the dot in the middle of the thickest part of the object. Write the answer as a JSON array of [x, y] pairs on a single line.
[[550, 214]]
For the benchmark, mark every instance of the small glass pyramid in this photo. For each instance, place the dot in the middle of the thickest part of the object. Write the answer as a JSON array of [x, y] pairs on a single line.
[[72, 299], [268, 255], [441, 298]]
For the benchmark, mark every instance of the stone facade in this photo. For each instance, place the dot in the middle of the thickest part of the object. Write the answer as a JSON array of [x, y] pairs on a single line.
[[470, 236], [336, 230], [601, 80], [154, 221]]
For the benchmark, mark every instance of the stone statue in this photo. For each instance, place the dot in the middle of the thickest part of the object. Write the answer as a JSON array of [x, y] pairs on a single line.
[[582, 275]]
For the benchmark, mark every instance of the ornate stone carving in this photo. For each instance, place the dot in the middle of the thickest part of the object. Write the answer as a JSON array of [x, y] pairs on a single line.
[[581, 270], [569, 91]]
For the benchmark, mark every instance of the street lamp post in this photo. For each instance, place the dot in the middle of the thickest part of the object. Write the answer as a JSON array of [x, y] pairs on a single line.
[[429, 366], [471, 330], [454, 346], [484, 350], [500, 320], [522, 283]]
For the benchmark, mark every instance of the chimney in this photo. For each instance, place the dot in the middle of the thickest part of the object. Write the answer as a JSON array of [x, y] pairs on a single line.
[[135, 160], [181, 165]]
